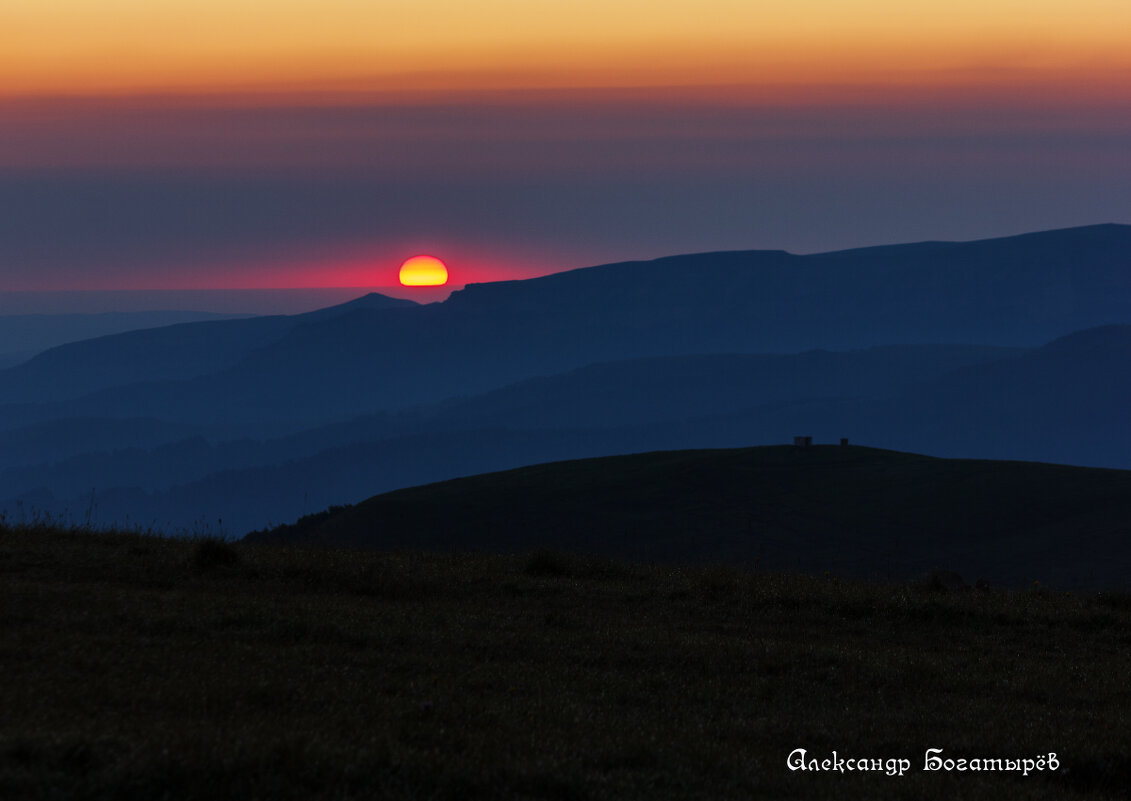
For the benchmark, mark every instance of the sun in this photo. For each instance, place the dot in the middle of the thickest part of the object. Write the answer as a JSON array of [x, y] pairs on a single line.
[[423, 271]]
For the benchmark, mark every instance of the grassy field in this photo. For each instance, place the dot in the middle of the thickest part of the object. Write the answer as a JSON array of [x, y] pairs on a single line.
[[134, 667]]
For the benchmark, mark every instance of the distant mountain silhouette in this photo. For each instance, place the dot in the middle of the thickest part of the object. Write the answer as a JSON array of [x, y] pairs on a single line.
[[22, 336], [303, 370], [1019, 290], [168, 352], [848, 510], [262, 419]]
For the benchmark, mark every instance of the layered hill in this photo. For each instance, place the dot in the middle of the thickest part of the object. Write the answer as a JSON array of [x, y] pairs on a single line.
[[1017, 291], [844, 509], [614, 407], [171, 351], [1064, 402], [254, 421], [22, 336]]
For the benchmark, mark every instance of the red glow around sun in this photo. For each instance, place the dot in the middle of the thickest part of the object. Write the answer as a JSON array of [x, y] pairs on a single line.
[[424, 271]]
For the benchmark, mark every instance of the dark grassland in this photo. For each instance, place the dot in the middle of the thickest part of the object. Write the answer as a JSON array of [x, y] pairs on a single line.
[[134, 667]]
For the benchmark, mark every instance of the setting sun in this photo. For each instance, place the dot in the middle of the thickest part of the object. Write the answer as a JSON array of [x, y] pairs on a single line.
[[423, 271]]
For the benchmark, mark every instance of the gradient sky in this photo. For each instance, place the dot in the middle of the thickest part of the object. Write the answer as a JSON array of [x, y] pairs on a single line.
[[295, 143]]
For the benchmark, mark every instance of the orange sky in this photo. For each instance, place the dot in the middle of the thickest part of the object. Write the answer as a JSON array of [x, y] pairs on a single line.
[[223, 143], [116, 46]]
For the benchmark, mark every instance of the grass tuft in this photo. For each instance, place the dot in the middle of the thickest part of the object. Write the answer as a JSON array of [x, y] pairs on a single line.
[[1119, 601], [548, 564], [210, 553]]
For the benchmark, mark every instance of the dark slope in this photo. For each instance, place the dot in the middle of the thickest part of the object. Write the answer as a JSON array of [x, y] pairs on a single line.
[[179, 351], [853, 510]]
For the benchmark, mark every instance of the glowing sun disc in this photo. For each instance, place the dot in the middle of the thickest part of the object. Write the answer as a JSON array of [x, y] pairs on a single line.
[[423, 271]]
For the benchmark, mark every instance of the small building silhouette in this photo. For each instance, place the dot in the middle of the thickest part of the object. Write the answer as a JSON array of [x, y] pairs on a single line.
[[802, 442], [843, 441]]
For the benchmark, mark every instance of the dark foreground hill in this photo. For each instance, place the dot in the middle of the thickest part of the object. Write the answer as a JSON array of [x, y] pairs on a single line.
[[846, 509], [140, 668]]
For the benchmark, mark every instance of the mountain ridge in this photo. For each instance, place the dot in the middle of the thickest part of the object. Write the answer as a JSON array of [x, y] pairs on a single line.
[[1019, 292], [511, 373], [179, 350]]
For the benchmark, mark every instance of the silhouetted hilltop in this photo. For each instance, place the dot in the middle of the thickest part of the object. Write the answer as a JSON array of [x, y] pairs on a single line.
[[840, 508], [845, 509], [1018, 290], [373, 301]]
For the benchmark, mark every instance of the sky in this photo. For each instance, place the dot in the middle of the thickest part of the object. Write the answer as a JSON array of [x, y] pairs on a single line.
[[212, 145]]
